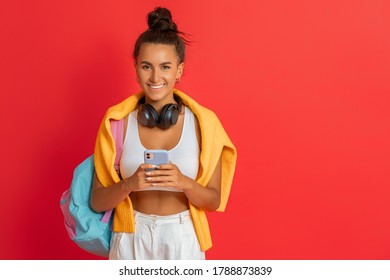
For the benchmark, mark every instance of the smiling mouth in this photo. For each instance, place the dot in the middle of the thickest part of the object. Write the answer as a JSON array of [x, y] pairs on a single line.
[[156, 86]]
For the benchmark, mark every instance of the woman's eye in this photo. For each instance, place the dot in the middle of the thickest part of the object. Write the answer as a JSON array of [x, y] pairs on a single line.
[[146, 67], [166, 67]]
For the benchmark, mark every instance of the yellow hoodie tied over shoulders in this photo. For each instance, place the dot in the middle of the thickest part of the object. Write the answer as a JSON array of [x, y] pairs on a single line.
[[215, 143]]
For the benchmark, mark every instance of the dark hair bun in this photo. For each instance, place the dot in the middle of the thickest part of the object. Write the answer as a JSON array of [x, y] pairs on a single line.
[[161, 19]]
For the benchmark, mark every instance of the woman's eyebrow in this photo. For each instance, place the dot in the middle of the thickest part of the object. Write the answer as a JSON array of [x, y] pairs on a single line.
[[148, 63]]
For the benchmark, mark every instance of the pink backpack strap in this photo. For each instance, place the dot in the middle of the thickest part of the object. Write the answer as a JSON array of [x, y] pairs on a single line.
[[117, 133]]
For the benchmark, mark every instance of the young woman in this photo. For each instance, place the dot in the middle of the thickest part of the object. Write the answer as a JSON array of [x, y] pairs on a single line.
[[160, 214]]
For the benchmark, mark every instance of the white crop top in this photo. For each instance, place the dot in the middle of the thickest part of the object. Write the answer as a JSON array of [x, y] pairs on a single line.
[[185, 154]]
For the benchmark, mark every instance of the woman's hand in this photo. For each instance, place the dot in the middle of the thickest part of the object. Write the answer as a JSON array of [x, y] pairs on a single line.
[[139, 180], [103, 199], [206, 197], [168, 175]]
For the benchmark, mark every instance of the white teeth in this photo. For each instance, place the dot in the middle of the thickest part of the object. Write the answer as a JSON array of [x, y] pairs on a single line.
[[156, 87]]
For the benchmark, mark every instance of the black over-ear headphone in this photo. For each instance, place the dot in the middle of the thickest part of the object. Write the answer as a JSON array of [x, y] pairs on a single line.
[[148, 116]]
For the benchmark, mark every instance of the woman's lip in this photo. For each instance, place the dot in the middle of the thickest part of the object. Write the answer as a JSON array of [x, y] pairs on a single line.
[[156, 86]]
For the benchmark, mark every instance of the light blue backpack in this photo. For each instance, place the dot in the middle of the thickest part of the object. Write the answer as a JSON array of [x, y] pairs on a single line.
[[88, 229]]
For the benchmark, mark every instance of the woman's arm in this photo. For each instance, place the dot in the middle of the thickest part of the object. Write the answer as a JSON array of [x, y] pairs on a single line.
[[169, 175], [103, 199], [208, 197]]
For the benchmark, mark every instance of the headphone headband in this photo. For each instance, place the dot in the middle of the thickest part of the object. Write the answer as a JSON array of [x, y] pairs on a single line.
[[177, 98]]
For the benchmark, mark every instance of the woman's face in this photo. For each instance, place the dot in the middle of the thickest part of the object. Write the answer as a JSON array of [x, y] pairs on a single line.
[[157, 67]]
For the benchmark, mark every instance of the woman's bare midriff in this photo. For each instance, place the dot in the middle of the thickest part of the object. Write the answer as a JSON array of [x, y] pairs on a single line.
[[160, 203]]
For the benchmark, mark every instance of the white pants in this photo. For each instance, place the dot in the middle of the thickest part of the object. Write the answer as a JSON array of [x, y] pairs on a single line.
[[170, 237]]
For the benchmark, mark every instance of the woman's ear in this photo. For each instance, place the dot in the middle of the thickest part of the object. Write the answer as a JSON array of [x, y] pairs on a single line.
[[180, 70], [136, 72]]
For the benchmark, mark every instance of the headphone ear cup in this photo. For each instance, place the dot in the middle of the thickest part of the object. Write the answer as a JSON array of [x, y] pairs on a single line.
[[147, 115], [168, 116]]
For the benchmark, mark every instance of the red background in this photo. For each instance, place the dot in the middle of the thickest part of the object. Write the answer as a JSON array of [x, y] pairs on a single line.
[[302, 87]]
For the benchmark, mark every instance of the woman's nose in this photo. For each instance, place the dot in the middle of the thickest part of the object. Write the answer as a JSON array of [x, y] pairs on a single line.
[[154, 77]]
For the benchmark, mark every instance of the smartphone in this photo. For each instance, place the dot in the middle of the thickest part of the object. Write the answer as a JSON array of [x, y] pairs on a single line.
[[156, 157]]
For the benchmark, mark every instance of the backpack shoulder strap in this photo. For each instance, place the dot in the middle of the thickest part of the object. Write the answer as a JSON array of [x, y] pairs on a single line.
[[117, 133]]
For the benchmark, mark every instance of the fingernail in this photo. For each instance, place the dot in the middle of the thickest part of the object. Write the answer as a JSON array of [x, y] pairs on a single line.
[[148, 173]]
